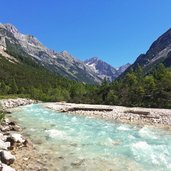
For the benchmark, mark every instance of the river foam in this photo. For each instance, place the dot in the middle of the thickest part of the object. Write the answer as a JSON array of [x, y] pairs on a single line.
[[53, 133]]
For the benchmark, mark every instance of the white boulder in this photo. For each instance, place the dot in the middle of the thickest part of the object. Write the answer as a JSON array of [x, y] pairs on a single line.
[[17, 138], [4, 145], [6, 157], [6, 167], [3, 137]]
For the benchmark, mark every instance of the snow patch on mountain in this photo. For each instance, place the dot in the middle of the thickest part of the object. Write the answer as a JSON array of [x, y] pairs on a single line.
[[104, 70]]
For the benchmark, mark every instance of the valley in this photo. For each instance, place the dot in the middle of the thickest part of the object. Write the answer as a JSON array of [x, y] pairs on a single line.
[[85, 86]]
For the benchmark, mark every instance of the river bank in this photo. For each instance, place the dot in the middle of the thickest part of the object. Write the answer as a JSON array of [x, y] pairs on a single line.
[[133, 115], [17, 151], [11, 103]]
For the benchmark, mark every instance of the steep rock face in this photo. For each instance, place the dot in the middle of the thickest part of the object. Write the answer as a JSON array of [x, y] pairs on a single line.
[[159, 52], [105, 70], [17, 44]]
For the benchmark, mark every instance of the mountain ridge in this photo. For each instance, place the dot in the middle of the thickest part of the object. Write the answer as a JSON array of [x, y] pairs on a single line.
[[158, 52], [61, 63], [14, 43]]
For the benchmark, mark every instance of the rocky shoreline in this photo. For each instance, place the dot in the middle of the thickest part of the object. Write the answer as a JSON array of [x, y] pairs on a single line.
[[133, 115], [16, 151], [10, 141], [11, 103]]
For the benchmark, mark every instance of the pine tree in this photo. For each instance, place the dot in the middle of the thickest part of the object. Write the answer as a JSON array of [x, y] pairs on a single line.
[[13, 86], [3, 88]]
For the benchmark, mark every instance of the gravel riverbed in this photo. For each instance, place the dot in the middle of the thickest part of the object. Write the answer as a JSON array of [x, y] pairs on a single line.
[[133, 115]]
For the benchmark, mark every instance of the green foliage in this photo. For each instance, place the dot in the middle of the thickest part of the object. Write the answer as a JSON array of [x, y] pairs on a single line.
[[31, 80], [13, 87], [134, 89], [27, 79]]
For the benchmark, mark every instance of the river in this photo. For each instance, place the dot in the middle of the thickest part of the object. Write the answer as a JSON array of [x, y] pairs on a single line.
[[86, 144]]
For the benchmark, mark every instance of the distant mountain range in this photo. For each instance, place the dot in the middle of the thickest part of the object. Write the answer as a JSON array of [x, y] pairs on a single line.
[[16, 44], [13, 44], [104, 70]]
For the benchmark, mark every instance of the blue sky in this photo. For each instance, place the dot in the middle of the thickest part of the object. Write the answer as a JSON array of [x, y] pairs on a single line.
[[116, 31]]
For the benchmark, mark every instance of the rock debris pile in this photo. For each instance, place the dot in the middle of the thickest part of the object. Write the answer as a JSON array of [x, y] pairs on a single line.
[[11, 103], [10, 141]]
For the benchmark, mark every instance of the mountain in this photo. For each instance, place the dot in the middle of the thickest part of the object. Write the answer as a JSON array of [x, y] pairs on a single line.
[[122, 68], [14, 44], [104, 70], [159, 52]]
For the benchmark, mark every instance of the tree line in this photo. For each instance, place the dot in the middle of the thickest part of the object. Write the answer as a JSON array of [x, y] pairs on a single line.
[[133, 89], [137, 89]]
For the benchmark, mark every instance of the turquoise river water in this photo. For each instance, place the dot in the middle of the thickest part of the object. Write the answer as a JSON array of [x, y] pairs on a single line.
[[82, 143]]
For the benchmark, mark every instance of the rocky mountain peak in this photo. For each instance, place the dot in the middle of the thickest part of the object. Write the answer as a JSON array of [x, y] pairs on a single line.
[[159, 52], [92, 60], [66, 54], [122, 68], [11, 28], [32, 40], [161, 43], [95, 58], [103, 69], [25, 40]]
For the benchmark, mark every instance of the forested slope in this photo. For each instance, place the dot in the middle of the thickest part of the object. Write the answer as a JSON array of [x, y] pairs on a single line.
[[27, 78]]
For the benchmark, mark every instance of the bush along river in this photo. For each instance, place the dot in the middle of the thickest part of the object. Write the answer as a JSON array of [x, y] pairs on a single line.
[[74, 142]]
